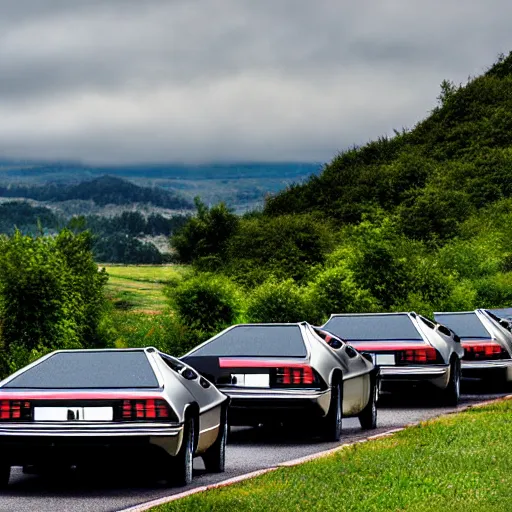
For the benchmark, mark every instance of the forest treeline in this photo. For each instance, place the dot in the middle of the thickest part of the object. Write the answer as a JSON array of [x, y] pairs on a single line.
[[102, 191], [115, 239]]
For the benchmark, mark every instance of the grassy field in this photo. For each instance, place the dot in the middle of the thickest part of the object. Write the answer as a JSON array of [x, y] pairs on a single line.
[[139, 288], [141, 314], [456, 463]]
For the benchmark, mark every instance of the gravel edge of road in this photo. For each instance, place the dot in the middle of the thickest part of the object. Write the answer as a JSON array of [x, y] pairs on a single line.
[[167, 499]]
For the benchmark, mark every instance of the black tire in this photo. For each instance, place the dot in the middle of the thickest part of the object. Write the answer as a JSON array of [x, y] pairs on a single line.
[[215, 457], [5, 475], [368, 416], [181, 469], [331, 423], [451, 393]]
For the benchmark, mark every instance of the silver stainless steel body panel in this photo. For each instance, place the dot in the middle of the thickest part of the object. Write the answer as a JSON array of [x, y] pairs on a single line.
[[497, 333], [27, 440], [434, 335], [252, 403]]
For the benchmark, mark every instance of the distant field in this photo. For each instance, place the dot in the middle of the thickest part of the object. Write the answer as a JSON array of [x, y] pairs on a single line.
[[139, 288], [141, 313]]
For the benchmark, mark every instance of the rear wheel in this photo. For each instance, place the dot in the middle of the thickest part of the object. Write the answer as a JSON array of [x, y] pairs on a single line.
[[5, 474], [451, 394], [368, 416], [331, 424], [180, 472], [215, 457]]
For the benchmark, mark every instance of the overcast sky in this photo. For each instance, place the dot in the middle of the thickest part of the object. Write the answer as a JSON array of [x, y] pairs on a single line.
[[220, 80]]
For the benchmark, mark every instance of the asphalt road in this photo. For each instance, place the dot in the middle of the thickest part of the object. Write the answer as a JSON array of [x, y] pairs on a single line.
[[248, 450]]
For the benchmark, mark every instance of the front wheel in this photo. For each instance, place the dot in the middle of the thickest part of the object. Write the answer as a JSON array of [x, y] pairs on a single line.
[[215, 457], [5, 474], [368, 416], [451, 394], [181, 471], [331, 424]]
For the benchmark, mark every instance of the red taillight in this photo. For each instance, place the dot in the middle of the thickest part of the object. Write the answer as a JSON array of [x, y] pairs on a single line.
[[14, 410], [295, 376], [146, 409], [421, 355], [484, 351]]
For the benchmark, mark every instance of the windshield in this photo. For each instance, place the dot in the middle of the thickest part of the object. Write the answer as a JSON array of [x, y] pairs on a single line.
[[89, 370]]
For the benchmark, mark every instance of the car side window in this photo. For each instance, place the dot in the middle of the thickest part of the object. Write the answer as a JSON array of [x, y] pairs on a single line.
[[350, 351], [427, 322], [330, 339], [173, 364]]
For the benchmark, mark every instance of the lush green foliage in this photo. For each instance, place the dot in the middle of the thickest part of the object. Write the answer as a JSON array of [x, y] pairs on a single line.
[[455, 463], [51, 296], [203, 238], [278, 301]]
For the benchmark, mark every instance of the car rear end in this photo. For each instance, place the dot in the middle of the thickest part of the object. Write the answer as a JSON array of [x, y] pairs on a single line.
[[395, 345], [266, 371], [487, 355], [80, 422]]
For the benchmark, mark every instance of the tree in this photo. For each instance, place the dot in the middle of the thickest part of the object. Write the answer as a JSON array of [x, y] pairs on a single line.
[[51, 296], [206, 234]]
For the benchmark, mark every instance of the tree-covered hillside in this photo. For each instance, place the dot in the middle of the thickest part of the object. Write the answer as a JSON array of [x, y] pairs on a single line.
[[102, 191], [432, 177], [420, 221]]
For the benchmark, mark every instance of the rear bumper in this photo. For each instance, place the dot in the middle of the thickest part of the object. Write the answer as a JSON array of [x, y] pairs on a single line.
[[437, 375], [249, 407], [22, 444], [488, 369]]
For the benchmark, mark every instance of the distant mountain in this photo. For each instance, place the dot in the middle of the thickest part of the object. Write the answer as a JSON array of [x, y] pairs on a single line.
[[241, 185], [102, 191]]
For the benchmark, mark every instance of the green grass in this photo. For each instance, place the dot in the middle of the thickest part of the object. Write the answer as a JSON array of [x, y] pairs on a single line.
[[456, 463], [141, 315], [140, 288]]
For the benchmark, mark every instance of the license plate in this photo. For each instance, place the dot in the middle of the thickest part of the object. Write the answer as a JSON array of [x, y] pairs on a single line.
[[251, 380], [73, 414], [385, 359]]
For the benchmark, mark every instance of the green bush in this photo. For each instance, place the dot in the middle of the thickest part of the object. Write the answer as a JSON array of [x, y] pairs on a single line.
[[206, 234], [494, 291], [278, 301], [335, 291], [51, 296], [286, 247], [206, 302]]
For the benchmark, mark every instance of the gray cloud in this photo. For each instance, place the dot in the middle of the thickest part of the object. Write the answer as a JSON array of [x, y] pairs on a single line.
[[199, 80]]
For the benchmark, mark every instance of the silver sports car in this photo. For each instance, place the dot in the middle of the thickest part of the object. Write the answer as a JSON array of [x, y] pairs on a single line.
[[289, 372], [75, 407], [487, 341], [408, 347]]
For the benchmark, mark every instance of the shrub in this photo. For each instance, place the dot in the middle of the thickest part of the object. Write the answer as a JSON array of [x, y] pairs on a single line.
[[206, 302], [286, 247], [278, 301], [334, 291]]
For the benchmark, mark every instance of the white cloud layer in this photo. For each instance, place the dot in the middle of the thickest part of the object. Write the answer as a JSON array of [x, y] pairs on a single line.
[[200, 80]]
